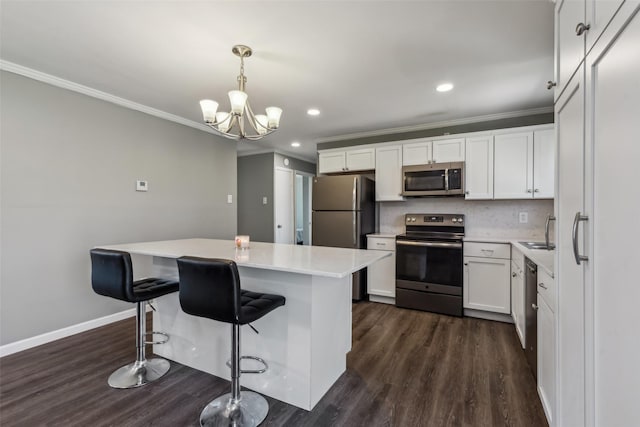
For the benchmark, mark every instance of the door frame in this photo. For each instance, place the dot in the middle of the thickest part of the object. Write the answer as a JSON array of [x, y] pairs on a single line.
[[295, 201]]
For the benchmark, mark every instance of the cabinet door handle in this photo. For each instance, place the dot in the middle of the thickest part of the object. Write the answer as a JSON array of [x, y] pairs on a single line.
[[534, 306], [513, 274], [550, 84], [537, 190], [542, 285], [581, 28], [528, 190], [576, 252]]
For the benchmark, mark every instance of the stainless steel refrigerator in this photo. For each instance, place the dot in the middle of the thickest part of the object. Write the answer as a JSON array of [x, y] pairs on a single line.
[[343, 214]]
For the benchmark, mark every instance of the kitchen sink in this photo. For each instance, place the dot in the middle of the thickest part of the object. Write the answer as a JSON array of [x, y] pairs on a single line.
[[535, 245]]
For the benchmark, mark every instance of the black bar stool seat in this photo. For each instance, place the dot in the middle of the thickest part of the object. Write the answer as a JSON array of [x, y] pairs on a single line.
[[211, 288], [112, 276]]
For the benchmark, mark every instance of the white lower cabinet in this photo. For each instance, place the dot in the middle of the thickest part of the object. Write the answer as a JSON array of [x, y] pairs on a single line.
[[381, 276], [487, 284], [546, 358], [517, 300]]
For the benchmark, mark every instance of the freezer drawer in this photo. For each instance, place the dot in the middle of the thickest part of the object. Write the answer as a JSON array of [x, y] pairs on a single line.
[[340, 229]]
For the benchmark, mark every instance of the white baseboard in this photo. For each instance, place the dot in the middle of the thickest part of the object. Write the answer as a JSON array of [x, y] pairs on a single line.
[[488, 315], [381, 299], [47, 337]]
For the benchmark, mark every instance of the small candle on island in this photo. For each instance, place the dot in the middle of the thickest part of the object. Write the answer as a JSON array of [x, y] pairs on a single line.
[[242, 242]]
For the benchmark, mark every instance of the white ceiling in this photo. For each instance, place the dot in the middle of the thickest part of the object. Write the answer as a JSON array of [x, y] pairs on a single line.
[[367, 65]]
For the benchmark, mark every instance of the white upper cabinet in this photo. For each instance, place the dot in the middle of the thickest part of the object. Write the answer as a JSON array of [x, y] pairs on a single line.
[[362, 159], [447, 150], [569, 46], [389, 173], [513, 160], [332, 162], [423, 152], [479, 168], [524, 165], [417, 153], [544, 154], [347, 160], [599, 13]]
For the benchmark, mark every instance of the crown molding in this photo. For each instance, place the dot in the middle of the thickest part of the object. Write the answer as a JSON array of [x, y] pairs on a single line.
[[246, 153], [94, 93], [435, 125]]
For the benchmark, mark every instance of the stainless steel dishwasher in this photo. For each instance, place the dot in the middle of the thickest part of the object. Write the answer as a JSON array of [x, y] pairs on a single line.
[[531, 314]]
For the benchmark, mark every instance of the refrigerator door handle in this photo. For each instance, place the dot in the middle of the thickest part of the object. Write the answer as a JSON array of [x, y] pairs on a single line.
[[355, 229], [354, 202]]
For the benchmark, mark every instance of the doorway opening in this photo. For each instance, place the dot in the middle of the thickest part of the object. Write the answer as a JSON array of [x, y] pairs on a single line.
[[302, 202]]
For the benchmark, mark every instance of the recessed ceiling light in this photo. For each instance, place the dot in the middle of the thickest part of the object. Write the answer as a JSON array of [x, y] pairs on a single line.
[[295, 144], [444, 87], [313, 112]]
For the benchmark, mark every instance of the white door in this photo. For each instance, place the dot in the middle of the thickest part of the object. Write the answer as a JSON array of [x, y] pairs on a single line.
[[513, 166], [613, 114], [478, 173], [358, 160], [544, 154], [546, 358], [448, 150], [569, 47], [283, 197], [331, 162], [389, 173], [570, 275], [486, 284], [417, 153]]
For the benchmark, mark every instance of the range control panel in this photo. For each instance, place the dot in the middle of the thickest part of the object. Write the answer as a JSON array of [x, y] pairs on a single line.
[[434, 219]]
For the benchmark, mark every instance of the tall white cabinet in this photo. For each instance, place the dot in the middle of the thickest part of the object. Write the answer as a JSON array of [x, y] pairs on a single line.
[[597, 113]]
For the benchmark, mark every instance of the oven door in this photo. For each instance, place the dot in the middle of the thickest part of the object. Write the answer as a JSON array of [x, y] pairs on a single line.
[[429, 262]]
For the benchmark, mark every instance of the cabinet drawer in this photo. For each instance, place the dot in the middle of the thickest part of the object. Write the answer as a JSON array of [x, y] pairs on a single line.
[[547, 288], [381, 243], [487, 250]]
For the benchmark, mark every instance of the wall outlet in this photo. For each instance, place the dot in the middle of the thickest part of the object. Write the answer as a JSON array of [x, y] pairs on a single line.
[[229, 198], [265, 200], [523, 217], [142, 185]]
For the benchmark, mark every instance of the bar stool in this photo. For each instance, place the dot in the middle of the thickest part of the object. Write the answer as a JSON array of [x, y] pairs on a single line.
[[211, 288], [112, 276]]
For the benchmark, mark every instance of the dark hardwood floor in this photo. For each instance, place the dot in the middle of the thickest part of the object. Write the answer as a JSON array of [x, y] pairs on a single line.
[[406, 368]]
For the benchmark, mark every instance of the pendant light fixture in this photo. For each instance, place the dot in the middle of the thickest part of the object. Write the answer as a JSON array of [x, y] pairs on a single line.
[[240, 122]]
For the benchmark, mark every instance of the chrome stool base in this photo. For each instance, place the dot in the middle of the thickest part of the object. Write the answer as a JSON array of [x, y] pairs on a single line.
[[249, 411], [137, 374]]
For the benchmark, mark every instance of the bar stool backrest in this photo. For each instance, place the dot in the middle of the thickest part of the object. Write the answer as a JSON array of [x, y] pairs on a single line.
[[112, 274], [210, 288]]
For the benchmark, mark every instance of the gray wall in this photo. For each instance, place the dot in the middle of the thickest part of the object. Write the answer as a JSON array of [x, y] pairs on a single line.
[[255, 181], [68, 168], [536, 119]]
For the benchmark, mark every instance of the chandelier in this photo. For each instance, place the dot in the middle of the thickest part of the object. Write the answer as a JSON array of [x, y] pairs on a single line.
[[240, 122]]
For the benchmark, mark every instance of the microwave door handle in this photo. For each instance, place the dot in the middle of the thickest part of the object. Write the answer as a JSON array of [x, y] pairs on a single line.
[[446, 179]]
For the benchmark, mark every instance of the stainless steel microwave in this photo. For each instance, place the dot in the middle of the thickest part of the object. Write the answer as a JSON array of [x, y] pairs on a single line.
[[435, 179]]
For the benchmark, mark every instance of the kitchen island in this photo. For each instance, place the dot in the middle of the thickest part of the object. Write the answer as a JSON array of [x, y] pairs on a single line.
[[305, 342]]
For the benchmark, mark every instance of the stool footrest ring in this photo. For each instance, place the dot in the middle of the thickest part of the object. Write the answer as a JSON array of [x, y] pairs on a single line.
[[162, 341], [252, 371]]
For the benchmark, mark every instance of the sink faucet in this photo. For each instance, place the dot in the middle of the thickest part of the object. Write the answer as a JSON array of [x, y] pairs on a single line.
[[546, 232]]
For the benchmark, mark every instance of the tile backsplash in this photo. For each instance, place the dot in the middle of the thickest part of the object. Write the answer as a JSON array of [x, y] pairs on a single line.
[[483, 218]]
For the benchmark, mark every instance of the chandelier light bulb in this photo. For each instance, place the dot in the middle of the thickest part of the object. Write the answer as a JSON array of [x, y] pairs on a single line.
[[263, 124], [223, 121], [209, 109], [238, 100], [273, 114]]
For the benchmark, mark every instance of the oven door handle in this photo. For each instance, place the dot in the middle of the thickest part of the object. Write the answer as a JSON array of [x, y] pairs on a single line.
[[428, 244]]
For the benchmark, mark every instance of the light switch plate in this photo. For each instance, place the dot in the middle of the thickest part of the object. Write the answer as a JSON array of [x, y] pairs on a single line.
[[229, 198], [264, 200], [142, 185]]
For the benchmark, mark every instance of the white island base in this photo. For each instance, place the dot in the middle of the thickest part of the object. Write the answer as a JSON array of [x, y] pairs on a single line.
[[305, 342]]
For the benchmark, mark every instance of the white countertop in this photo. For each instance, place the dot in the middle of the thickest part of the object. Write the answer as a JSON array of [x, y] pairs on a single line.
[[313, 260]]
